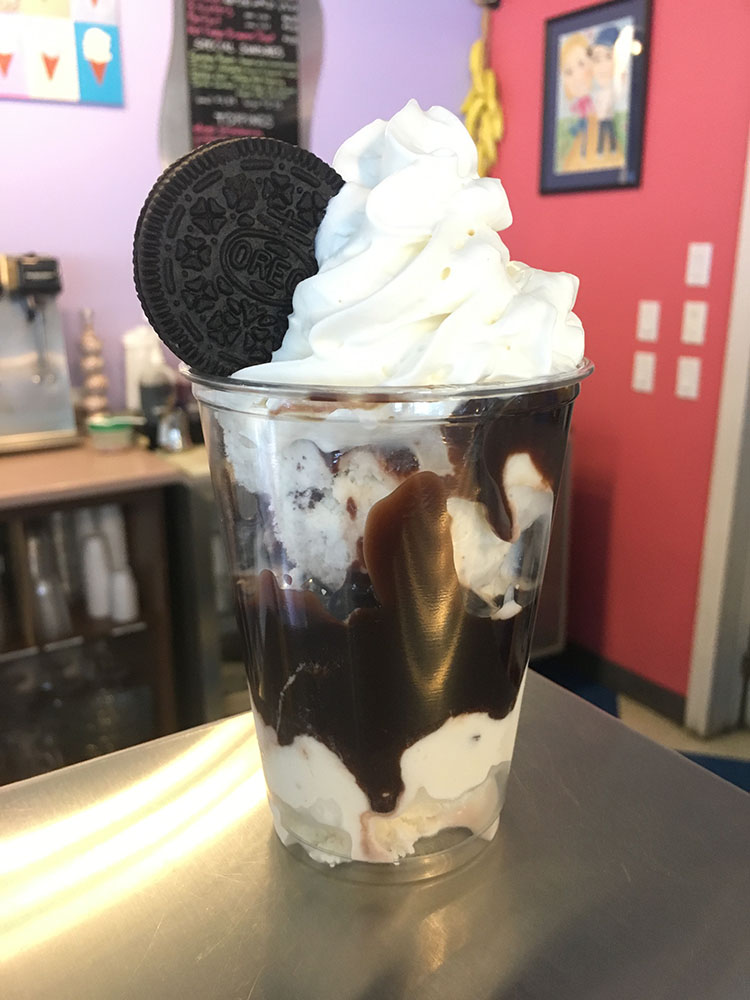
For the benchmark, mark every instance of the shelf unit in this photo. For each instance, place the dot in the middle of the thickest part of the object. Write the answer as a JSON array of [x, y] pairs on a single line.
[[141, 650]]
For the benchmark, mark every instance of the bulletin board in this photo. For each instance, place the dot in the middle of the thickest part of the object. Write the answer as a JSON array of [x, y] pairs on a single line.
[[61, 50], [242, 69]]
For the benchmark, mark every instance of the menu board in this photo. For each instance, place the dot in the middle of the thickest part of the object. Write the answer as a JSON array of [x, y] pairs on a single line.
[[61, 50], [242, 68]]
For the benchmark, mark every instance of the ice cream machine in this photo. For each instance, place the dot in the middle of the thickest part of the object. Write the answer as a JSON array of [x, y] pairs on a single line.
[[36, 409]]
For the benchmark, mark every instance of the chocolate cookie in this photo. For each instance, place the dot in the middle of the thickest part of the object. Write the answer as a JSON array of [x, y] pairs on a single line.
[[224, 238]]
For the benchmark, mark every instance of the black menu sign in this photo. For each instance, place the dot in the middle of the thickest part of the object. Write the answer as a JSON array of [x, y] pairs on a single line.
[[242, 68]]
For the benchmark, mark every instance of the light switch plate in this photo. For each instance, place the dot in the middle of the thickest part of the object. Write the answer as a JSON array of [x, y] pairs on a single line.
[[694, 317], [698, 264], [688, 381], [647, 327], [644, 371]]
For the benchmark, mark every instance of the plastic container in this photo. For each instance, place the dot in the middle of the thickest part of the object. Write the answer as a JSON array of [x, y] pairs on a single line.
[[111, 433], [387, 548]]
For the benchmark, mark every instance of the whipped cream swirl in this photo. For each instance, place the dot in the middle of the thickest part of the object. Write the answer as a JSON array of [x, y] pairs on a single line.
[[415, 287]]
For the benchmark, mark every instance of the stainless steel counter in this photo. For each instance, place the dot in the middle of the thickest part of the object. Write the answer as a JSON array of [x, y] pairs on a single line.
[[620, 871]]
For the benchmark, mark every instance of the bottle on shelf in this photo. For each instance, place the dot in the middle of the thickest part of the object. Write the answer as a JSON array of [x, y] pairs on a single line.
[[157, 391], [51, 613], [67, 553]]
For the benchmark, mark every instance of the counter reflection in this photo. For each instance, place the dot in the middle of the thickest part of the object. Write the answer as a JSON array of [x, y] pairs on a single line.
[[57, 875]]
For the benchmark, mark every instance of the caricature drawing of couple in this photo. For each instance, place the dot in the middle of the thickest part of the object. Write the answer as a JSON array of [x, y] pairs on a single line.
[[590, 82]]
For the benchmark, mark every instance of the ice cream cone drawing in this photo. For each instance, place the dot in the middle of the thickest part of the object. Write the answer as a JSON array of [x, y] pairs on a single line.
[[99, 68], [51, 48], [46, 53], [97, 51], [50, 64], [8, 43]]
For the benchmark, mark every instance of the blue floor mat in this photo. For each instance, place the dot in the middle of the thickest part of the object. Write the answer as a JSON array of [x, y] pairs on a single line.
[[599, 695], [729, 768]]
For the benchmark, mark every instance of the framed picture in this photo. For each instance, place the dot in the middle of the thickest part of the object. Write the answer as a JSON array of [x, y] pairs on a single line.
[[595, 97]]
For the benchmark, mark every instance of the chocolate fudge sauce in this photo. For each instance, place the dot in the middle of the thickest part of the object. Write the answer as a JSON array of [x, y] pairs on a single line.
[[405, 654]]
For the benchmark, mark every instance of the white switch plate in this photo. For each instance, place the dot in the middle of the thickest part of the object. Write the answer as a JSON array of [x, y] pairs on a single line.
[[688, 381], [647, 328], [698, 265], [694, 317], [644, 371]]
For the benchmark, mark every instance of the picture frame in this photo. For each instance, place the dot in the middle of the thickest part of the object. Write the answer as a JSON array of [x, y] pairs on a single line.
[[595, 78]]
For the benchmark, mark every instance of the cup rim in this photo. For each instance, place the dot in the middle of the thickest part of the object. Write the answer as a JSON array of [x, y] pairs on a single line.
[[391, 394]]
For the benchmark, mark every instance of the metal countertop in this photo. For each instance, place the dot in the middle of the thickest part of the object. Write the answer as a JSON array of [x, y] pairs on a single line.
[[620, 871]]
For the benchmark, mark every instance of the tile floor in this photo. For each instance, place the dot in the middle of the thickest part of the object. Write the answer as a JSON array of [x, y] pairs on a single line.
[[661, 730]]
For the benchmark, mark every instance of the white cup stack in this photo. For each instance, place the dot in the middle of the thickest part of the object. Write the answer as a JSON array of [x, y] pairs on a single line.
[[95, 563], [123, 596], [123, 593], [109, 585]]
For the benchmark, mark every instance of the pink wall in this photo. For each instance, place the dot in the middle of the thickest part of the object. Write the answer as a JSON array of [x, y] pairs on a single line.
[[73, 179], [642, 462]]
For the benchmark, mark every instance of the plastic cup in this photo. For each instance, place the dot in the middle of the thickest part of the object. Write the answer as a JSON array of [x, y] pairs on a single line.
[[387, 549]]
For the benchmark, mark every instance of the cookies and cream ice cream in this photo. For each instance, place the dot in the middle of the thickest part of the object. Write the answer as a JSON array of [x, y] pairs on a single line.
[[389, 526]]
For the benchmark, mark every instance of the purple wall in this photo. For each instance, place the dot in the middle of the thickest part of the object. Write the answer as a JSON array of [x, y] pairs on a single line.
[[74, 178], [378, 55]]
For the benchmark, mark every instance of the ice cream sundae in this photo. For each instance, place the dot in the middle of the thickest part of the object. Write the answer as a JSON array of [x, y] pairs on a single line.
[[386, 481]]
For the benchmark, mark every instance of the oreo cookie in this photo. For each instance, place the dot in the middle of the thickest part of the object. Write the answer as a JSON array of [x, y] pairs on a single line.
[[224, 238]]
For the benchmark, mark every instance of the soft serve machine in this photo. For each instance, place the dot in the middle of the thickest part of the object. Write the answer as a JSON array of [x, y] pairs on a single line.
[[36, 410]]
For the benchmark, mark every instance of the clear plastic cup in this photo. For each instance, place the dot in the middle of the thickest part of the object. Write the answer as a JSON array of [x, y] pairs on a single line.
[[387, 549]]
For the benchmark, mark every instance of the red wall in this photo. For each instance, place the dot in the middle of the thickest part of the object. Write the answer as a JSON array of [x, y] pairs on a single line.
[[642, 462]]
